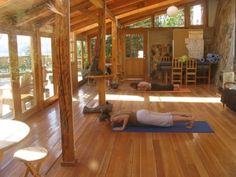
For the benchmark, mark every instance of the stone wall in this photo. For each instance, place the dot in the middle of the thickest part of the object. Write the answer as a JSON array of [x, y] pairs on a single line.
[[224, 41]]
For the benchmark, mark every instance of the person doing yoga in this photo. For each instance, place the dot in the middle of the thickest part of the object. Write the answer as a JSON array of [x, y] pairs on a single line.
[[146, 117], [145, 86]]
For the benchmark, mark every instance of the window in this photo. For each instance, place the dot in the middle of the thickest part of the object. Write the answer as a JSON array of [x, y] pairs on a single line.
[[134, 45], [108, 48], [25, 60], [47, 67], [196, 15], [146, 23], [92, 46], [165, 21]]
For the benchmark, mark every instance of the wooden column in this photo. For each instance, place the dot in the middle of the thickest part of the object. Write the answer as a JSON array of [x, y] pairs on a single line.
[[39, 88], [15, 76], [114, 49], [62, 42], [101, 64]]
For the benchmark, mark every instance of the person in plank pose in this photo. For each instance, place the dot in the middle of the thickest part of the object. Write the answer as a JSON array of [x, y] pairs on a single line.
[[146, 86], [145, 117]]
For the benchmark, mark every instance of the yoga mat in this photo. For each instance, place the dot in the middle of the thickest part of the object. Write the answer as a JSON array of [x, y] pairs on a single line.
[[198, 127], [180, 90]]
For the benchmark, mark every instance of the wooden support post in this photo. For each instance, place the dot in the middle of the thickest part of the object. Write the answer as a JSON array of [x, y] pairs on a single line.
[[101, 64], [38, 68], [88, 49], [15, 76], [62, 29], [114, 49]]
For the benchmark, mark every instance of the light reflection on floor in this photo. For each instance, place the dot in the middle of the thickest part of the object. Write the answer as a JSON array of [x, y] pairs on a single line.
[[184, 99], [113, 97]]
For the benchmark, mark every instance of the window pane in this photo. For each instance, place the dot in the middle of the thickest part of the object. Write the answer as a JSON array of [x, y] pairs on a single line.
[[108, 48], [26, 70], [6, 99], [141, 24], [47, 66], [166, 21], [196, 15], [134, 46]]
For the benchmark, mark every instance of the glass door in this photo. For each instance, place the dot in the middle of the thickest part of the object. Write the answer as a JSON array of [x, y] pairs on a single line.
[[26, 72], [6, 98], [47, 67], [135, 49]]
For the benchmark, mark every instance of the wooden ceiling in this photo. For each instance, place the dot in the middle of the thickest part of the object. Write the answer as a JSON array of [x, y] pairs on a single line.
[[83, 13]]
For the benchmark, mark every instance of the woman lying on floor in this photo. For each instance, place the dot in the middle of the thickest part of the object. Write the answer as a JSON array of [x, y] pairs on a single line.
[[145, 86], [146, 117]]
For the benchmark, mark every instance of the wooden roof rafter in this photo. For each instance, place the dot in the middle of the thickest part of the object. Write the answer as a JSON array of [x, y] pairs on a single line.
[[35, 13]]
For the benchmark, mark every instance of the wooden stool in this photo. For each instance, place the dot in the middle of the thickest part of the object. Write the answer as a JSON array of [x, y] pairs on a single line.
[[32, 158]]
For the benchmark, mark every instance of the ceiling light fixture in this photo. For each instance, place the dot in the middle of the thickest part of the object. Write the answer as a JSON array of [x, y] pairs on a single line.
[[172, 11]]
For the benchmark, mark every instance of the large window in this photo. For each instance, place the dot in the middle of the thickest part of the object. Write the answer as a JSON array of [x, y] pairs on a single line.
[[108, 47], [47, 66], [196, 15], [165, 21], [25, 60], [146, 23], [134, 45], [6, 99]]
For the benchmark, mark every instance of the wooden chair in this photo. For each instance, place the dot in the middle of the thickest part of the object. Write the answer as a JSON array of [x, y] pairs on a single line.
[[32, 157], [27, 87], [177, 71], [191, 72]]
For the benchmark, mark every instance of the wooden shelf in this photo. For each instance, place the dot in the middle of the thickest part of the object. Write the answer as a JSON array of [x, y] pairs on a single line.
[[99, 76]]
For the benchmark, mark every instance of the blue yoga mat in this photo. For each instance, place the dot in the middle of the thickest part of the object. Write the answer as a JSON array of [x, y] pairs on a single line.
[[198, 127]]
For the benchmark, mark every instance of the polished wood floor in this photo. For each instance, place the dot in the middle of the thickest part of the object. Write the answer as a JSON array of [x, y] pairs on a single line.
[[103, 153]]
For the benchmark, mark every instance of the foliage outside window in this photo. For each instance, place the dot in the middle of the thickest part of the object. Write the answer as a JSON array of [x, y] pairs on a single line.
[[146, 23], [4, 54], [92, 45], [196, 15], [24, 53], [134, 46], [165, 21], [108, 47]]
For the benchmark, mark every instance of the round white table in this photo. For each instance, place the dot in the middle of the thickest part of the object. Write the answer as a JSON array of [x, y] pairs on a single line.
[[12, 132]]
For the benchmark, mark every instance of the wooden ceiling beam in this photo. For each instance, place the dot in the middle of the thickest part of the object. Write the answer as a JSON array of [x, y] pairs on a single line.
[[80, 6], [86, 28], [98, 3], [137, 11], [32, 14], [147, 8]]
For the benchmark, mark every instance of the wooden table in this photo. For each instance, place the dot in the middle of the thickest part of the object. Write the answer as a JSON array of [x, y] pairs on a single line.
[[11, 133]]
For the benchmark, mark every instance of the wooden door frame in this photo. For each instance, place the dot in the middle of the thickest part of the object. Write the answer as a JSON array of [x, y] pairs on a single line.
[[143, 32]]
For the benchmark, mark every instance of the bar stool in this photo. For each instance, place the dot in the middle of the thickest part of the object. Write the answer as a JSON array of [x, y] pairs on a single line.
[[32, 158]]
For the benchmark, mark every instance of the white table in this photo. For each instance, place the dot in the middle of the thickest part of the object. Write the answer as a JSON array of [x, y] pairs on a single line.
[[11, 133]]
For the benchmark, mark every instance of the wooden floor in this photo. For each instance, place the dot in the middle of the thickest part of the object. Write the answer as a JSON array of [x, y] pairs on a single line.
[[103, 153]]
